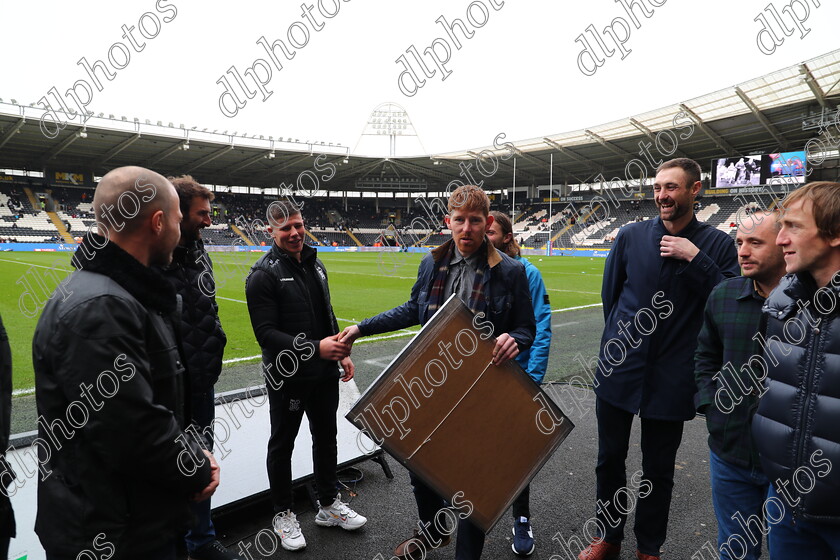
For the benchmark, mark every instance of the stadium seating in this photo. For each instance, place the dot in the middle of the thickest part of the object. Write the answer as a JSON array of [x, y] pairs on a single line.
[[329, 220]]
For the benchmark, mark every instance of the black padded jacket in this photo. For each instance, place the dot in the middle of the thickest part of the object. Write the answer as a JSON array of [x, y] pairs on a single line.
[[797, 426], [191, 274], [109, 386]]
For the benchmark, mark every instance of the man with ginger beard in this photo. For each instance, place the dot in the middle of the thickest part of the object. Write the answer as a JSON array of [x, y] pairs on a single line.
[[656, 280], [728, 382], [106, 345], [488, 282]]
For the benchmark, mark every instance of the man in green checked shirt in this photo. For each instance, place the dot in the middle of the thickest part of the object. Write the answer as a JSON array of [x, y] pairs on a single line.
[[729, 386]]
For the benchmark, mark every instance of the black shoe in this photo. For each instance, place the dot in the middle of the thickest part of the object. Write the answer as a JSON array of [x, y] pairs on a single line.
[[213, 551]]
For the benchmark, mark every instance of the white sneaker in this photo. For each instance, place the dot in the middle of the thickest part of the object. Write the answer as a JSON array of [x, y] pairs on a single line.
[[339, 514], [286, 525]]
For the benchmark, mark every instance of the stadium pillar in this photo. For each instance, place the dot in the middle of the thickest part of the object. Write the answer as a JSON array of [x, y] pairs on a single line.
[[513, 203], [550, 198]]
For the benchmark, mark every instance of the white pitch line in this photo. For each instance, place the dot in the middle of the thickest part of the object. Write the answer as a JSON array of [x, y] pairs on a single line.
[[573, 291], [360, 341], [245, 302], [39, 265], [577, 307], [334, 272], [410, 333], [544, 272], [558, 325]]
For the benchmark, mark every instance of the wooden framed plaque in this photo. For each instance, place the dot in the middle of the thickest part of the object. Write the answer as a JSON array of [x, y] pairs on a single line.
[[474, 432]]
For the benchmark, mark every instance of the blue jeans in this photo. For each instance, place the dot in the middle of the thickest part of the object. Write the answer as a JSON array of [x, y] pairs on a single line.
[[738, 495], [801, 538], [202, 532]]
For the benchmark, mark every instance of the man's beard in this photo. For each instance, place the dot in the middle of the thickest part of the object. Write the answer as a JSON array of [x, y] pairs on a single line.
[[190, 235]]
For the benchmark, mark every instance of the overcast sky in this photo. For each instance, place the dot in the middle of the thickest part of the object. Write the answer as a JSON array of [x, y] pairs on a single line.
[[518, 74]]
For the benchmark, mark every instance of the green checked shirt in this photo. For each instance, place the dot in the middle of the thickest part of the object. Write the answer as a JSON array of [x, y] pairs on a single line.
[[728, 380]]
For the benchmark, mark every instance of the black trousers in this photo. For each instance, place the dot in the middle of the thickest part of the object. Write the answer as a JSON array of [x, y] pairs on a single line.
[[660, 441], [470, 541], [522, 504], [319, 399]]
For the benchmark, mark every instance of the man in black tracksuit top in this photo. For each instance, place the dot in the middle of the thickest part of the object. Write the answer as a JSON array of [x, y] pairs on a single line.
[[289, 303]]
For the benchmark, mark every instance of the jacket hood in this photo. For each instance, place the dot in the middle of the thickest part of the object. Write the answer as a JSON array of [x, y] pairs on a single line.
[[146, 285]]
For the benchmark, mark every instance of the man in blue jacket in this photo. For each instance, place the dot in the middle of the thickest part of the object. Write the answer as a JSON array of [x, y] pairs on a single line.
[[534, 360], [489, 282], [656, 281]]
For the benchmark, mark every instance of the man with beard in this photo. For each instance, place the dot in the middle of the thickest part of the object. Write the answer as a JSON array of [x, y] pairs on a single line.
[[109, 386], [656, 280], [728, 374], [191, 274]]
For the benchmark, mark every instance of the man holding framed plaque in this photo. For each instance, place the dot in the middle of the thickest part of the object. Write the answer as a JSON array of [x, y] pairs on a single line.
[[494, 287]]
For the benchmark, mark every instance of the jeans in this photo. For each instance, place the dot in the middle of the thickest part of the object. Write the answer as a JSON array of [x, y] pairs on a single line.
[[319, 399], [791, 539], [660, 441], [738, 495], [470, 541], [202, 532]]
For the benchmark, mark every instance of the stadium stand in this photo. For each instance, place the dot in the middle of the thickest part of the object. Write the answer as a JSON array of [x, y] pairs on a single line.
[[330, 224]]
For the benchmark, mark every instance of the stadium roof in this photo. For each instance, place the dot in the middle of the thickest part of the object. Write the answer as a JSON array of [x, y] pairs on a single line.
[[776, 112]]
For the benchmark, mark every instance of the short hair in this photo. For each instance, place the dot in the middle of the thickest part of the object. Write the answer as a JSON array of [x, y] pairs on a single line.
[[187, 189], [691, 168], [511, 248], [469, 198], [772, 214], [825, 204], [132, 185], [281, 210]]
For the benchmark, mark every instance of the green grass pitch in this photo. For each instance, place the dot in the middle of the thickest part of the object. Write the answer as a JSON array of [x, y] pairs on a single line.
[[362, 284]]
